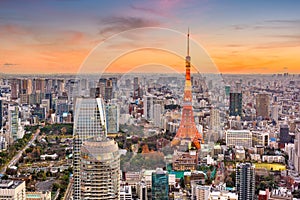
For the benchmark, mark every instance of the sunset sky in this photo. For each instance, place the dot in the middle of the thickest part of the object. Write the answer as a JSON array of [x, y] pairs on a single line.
[[72, 36]]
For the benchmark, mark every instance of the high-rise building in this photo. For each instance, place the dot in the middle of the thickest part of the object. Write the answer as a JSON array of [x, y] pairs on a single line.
[[135, 87], [297, 153], [284, 136], [1, 114], [100, 169], [108, 90], [245, 181], [187, 132], [262, 106], [40, 85], [215, 123], [235, 104], [227, 90], [14, 89], [157, 115], [160, 185], [239, 138], [142, 190], [112, 118], [89, 121], [149, 106], [274, 112], [13, 120], [12, 190]]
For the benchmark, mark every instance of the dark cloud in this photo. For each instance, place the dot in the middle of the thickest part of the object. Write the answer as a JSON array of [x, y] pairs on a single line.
[[9, 64], [113, 25]]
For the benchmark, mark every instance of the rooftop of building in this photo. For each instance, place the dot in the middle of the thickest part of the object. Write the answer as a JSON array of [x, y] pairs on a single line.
[[9, 184]]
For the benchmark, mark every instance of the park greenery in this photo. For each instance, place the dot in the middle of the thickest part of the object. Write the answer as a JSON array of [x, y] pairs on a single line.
[[6, 156]]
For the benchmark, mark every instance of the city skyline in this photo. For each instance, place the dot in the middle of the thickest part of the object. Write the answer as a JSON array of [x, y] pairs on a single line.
[[233, 37]]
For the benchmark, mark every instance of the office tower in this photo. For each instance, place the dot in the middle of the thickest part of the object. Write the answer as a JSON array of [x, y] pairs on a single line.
[[13, 120], [1, 114], [29, 86], [89, 121], [24, 85], [12, 190], [245, 181], [215, 123], [157, 114], [112, 117], [235, 104], [14, 89], [262, 106], [40, 85], [284, 136], [238, 86], [187, 131], [100, 169], [160, 185], [227, 90], [108, 90], [149, 106], [274, 112], [135, 87], [297, 153], [62, 107], [239, 138]]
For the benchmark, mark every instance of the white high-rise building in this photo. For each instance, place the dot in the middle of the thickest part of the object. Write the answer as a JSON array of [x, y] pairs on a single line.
[[157, 115], [149, 107], [274, 112], [100, 169], [89, 122]]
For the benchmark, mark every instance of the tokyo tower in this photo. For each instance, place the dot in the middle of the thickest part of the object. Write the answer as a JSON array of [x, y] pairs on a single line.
[[187, 131]]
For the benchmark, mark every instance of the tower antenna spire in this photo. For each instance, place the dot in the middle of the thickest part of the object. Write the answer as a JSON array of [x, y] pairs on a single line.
[[188, 42]]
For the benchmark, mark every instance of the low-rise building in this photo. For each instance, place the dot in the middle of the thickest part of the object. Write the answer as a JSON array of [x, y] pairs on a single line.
[[273, 159]]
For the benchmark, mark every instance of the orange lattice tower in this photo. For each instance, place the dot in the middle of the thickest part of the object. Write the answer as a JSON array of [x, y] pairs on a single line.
[[187, 130]]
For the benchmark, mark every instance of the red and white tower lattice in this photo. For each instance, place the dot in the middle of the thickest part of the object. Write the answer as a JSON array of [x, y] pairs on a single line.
[[187, 130]]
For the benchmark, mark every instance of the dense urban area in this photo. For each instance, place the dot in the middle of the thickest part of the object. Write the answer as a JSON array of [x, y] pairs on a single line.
[[62, 136]]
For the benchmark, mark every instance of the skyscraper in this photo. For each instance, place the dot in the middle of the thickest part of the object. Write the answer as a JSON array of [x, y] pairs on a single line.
[[187, 131], [100, 169], [1, 113], [89, 121], [245, 181], [274, 112], [235, 104], [284, 136], [157, 115], [112, 117], [13, 119], [262, 106], [160, 185], [136, 87], [149, 106]]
